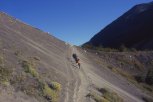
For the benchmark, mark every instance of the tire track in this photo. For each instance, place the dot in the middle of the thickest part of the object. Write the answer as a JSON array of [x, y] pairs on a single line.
[[73, 81], [85, 84]]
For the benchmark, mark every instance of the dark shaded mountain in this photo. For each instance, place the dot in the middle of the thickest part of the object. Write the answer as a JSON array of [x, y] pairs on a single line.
[[134, 29]]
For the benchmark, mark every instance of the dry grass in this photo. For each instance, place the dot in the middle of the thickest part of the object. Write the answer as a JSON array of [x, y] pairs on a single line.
[[5, 73], [148, 87], [133, 80], [149, 77], [97, 97], [55, 85], [107, 96], [124, 74], [129, 62], [110, 96], [29, 67], [49, 91], [50, 94]]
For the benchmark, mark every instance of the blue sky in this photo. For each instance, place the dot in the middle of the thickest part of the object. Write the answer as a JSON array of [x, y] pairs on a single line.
[[73, 21]]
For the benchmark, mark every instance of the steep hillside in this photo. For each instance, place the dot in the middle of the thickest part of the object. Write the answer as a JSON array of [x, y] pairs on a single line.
[[134, 29], [37, 67], [32, 57]]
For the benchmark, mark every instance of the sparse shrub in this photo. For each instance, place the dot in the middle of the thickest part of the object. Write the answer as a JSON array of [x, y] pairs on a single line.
[[97, 97], [107, 96], [149, 77], [100, 48], [5, 74], [1, 60], [6, 83], [123, 73], [105, 49], [29, 88], [18, 78], [49, 93], [129, 61], [147, 99], [102, 90], [110, 96], [139, 79], [17, 53], [110, 67], [30, 68], [55, 85], [89, 46], [148, 87], [36, 58]]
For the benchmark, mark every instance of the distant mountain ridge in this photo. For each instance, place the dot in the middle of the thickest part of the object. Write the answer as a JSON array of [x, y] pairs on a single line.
[[134, 29]]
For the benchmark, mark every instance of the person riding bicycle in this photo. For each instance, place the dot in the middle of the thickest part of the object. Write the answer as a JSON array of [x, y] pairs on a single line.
[[77, 60]]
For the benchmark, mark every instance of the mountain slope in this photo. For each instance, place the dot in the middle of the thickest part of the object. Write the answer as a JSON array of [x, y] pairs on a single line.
[[23, 43], [37, 67], [133, 29]]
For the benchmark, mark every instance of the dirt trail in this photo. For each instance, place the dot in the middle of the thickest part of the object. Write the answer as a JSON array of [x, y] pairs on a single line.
[[73, 79], [85, 77], [77, 80]]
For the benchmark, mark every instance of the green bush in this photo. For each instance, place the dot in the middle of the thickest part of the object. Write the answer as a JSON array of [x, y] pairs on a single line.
[[5, 74], [55, 85], [107, 96], [49, 93], [30, 68], [110, 96], [97, 97]]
